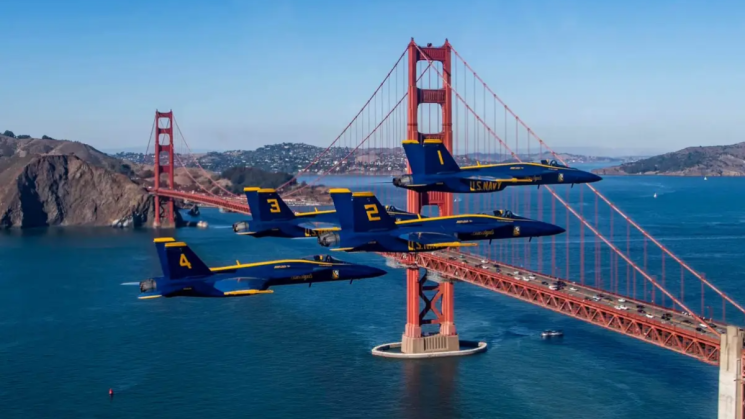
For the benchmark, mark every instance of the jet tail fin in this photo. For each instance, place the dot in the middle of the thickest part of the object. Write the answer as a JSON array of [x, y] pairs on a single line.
[[361, 211], [178, 261], [267, 205], [430, 157]]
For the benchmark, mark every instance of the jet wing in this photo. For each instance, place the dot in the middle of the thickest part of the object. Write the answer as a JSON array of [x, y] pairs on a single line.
[[432, 241], [314, 228], [241, 286]]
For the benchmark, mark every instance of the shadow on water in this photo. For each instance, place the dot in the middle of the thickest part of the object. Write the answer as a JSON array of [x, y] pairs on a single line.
[[430, 390]]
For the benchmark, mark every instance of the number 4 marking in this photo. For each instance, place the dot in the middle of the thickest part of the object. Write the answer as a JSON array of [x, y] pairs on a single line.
[[184, 262]]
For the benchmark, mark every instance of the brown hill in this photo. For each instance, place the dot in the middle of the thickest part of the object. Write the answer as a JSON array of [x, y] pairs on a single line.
[[725, 160], [65, 190]]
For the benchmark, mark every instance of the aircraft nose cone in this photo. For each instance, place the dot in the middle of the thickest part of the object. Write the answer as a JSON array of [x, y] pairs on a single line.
[[592, 177], [546, 229], [554, 229]]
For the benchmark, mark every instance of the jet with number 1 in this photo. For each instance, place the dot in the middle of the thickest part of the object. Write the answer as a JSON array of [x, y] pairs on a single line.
[[433, 169], [367, 227], [185, 275]]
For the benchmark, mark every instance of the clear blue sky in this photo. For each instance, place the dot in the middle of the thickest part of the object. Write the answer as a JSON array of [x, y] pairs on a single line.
[[657, 74]]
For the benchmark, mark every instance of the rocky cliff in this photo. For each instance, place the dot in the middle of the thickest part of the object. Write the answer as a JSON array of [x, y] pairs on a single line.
[[64, 190], [727, 160]]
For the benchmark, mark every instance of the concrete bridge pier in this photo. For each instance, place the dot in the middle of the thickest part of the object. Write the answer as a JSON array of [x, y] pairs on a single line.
[[730, 374]]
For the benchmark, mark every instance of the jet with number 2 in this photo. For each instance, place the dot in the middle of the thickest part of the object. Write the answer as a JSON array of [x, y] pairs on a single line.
[[366, 227], [271, 217], [434, 169], [185, 275]]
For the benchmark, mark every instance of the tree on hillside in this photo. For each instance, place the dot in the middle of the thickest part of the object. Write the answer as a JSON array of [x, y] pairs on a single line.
[[9, 133], [46, 137], [23, 137], [241, 177]]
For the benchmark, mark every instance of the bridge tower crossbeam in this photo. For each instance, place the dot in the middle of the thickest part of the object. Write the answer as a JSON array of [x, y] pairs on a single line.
[[164, 208]]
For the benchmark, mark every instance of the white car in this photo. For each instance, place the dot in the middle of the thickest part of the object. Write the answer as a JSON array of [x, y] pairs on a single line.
[[650, 316], [553, 287], [623, 307], [531, 277], [516, 273], [621, 300], [572, 289], [703, 326]]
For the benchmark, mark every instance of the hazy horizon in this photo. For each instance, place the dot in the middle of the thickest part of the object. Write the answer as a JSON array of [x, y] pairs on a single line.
[[579, 150]]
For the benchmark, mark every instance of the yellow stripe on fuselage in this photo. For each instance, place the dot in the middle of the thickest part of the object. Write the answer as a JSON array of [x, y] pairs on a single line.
[[273, 262], [515, 164], [307, 214], [451, 217], [248, 292]]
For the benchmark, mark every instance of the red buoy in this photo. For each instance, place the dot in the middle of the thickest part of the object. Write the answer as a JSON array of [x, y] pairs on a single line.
[[111, 392]]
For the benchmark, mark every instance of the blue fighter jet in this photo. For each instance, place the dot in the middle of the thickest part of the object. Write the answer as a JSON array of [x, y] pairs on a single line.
[[185, 275], [366, 227], [271, 217], [434, 169]]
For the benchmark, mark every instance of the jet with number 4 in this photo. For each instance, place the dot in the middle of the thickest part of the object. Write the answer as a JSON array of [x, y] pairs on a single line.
[[271, 217], [367, 227], [185, 275], [434, 169]]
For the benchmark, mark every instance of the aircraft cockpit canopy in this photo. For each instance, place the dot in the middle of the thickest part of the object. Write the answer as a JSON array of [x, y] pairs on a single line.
[[504, 214], [552, 163], [325, 258]]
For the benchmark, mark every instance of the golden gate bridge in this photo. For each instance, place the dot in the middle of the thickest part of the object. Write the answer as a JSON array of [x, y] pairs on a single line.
[[616, 275]]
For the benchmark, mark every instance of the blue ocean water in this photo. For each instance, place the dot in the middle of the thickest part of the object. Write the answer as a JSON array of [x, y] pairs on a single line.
[[69, 331]]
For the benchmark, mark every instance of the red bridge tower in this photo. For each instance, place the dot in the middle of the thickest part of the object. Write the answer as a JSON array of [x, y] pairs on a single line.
[[163, 148], [447, 340]]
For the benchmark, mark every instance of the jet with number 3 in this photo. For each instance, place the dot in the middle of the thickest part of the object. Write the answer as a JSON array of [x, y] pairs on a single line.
[[433, 169], [185, 275], [271, 217], [367, 227]]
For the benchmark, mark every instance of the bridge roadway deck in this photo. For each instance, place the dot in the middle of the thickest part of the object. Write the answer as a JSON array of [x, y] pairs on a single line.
[[679, 333], [235, 205]]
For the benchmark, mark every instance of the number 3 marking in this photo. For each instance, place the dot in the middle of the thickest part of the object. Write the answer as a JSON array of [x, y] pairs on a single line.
[[184, 262], [273, 205]]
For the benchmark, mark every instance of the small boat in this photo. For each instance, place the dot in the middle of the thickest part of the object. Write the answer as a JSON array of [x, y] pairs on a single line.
[[202, 224], [705, 178], [552, 334], [655, 194]]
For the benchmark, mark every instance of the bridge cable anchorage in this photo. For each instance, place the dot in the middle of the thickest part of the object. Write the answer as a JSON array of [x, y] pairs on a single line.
[[175, 122], [626, 217], [699, 276], [405, 95], [314, 161]]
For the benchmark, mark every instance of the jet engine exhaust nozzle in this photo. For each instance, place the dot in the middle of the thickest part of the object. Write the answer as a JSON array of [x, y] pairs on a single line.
[[329, 239], [240, 226]]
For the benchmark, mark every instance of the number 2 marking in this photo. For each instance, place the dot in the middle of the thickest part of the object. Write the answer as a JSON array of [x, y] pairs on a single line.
[[372, 212], [273, 205], [184, 262]]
